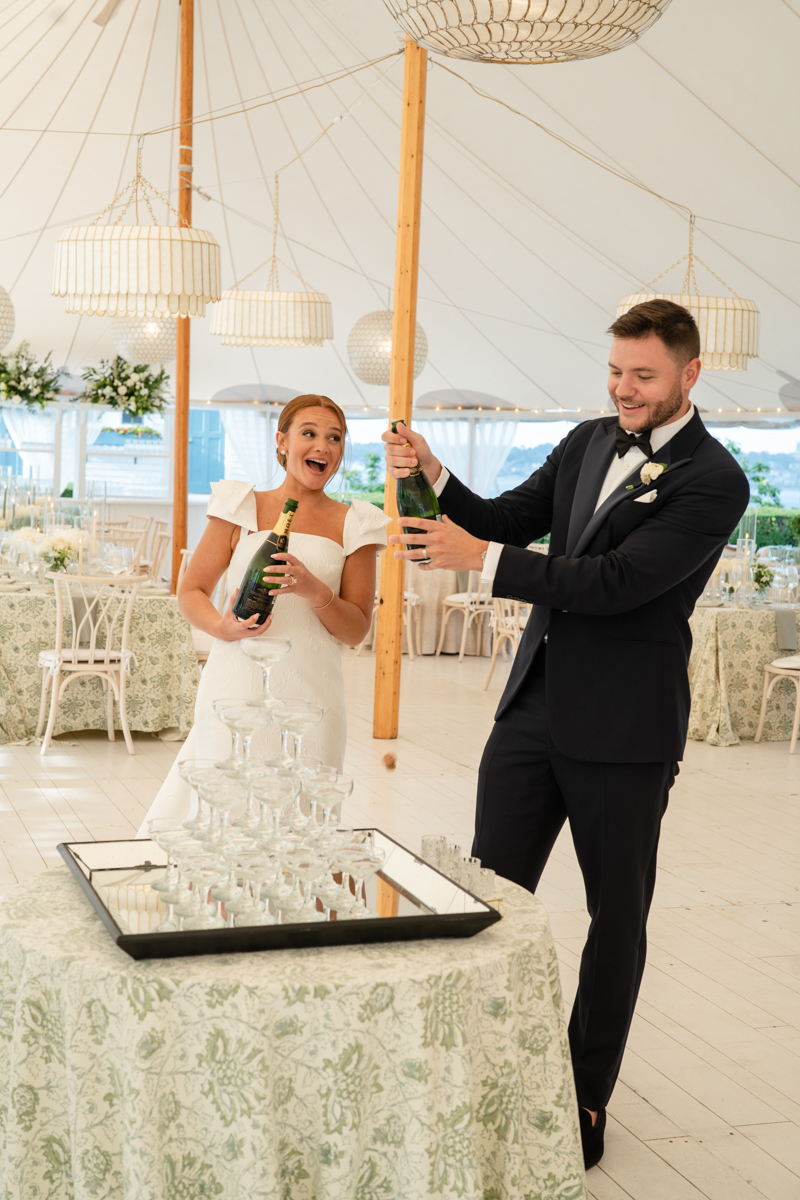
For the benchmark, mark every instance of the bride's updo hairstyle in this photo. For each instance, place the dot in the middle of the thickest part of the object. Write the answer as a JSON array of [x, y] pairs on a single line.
[[296, 406]]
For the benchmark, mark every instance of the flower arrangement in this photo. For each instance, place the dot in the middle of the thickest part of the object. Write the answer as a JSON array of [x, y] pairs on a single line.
[[133, 387], [132, 431], [57, 552], [24, 381], [762, 577]]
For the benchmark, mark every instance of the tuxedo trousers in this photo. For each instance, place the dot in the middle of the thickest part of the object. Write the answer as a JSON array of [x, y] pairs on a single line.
[[527, 789]]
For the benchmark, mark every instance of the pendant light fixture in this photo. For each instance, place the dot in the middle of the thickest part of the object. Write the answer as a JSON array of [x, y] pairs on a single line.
[[728, 325], [525, 31], [137, 270], [144, 339], [7, 318], [369, 348]]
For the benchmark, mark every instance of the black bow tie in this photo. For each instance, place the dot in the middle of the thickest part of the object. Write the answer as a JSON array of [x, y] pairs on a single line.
[[629, 441]]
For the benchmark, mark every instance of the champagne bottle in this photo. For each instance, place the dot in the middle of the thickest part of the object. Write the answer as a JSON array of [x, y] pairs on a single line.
[[255, 595], [416, 498]]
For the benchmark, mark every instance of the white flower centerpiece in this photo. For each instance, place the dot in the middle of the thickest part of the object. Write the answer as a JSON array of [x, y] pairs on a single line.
[[24, 381], [134, 388], [55, 551]]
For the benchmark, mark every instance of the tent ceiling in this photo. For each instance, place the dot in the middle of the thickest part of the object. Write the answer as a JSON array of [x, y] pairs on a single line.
[[526, 246]]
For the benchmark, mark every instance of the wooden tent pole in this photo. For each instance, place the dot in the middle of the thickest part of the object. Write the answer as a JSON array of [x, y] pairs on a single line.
[[180, 488], [401, 384]]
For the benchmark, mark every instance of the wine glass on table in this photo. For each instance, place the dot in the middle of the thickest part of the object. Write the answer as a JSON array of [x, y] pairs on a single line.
[[244, 722], [168, 835], [118, 559], [329, 791], [266, 651], [221, 797], [295, 718]]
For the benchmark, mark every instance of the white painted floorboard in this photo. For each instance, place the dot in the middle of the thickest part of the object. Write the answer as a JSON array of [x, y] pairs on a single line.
[[708, 1103]]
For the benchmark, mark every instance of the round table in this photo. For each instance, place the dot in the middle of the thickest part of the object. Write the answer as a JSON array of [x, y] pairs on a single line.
[[164, 674], [731, 647], [385, 1072]]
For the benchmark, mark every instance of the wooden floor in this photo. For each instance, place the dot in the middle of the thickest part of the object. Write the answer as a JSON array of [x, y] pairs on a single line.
[[708, 1102]]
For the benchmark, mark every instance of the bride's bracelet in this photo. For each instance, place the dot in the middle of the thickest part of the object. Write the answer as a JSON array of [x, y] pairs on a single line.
[[333, 597]]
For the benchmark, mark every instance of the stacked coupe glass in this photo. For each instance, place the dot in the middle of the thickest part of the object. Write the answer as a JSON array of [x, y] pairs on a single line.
[[265, 845]]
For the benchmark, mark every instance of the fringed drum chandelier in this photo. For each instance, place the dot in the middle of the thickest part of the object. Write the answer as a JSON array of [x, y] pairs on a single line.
[[137, 270], [728, 324], [525, 31]]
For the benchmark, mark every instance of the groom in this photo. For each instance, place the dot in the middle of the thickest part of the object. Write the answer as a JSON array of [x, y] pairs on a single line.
[[593, 720]]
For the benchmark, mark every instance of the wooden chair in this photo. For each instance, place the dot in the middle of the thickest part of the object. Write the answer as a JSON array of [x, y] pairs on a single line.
[[155, 561], [475, 603], [99, 611], [781, 668], [202, 641], [508, 622], [411, 623]]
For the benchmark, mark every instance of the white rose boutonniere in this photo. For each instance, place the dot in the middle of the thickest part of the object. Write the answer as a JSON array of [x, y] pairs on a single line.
[[651, 471]]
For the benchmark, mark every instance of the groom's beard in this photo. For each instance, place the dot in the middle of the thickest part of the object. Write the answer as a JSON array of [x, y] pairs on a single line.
[[658, 411]]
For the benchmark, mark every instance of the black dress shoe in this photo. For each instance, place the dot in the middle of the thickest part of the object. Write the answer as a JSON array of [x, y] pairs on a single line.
[[592, 1136]]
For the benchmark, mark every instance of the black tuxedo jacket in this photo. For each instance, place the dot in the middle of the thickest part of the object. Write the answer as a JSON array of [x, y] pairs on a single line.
[[616, 590]]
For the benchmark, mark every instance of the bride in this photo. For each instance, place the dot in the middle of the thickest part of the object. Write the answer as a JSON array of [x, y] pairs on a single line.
[[326, 597]]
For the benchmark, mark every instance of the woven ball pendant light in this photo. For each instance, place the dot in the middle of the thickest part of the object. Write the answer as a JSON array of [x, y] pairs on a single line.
[[369, 348], [137, 270], [249, 318], [728, 325], [6, 318], [525, 31], [144, 339]]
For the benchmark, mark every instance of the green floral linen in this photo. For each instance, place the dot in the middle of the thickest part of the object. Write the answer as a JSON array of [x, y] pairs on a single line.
[[162, 684], [400, 1071], [731, 648]]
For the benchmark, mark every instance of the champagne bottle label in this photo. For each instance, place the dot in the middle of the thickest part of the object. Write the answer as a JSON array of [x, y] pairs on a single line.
[[256, 597]]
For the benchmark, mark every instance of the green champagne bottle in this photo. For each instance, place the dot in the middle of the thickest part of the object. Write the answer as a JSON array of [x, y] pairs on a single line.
[[416, 498], [255, 596]]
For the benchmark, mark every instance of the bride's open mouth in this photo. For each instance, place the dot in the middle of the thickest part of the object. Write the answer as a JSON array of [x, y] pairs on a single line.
[[317, 466]]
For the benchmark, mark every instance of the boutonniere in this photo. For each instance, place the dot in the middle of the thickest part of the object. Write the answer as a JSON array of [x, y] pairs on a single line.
[[649, 473]]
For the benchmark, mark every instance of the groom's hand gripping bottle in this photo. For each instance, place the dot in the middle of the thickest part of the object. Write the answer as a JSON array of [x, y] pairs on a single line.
[[416, 498], [256, 596]]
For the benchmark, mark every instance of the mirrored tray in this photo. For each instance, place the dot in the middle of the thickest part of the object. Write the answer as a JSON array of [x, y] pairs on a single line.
[[413, 900]]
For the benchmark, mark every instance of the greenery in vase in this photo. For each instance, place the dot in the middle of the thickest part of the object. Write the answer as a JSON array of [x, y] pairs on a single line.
[[24, 381], [762, 577], [132, 387], [58, 554]]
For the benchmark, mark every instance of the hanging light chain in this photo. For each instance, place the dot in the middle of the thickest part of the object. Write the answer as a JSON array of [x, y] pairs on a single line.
[[690, 279], [131, 191]]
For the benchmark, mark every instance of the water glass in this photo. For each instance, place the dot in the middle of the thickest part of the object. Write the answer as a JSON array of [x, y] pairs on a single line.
[[432, 849], [488, 884]]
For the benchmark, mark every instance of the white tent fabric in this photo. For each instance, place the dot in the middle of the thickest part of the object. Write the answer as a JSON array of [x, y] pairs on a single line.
[[29, 427], [250, 447], [449, 441], [526, 244], [493, 442]]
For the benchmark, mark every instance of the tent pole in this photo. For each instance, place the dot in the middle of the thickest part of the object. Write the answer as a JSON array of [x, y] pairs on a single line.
[[180, 489], [401, 384]]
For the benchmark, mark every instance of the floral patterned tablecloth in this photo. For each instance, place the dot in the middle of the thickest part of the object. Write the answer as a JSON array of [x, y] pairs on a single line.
[[399, 1071], [162, 684], [731, 648]]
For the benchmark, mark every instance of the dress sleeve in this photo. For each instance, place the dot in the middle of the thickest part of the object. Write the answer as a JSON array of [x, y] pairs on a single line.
[[364, 525], [234, 501]]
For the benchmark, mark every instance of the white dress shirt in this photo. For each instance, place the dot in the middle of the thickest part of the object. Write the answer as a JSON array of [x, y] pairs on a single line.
[[617, 473]]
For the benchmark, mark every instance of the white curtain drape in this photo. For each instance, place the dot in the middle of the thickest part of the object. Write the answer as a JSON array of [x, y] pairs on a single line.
[[494, 441], [449, 441], [32, 426], [250, 447]]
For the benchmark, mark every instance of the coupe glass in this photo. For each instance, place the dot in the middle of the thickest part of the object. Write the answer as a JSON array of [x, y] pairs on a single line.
[[273, 793], [361, 864], [166, 834], [227, 890], [295, 717], [329, 792], [221, 797], [257, 868], [203, 872], [305, 865], [266, 651], [244, 722], [195, 771]]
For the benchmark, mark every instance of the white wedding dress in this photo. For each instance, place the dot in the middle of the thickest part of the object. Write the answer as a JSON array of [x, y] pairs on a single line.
[[311, 671]]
